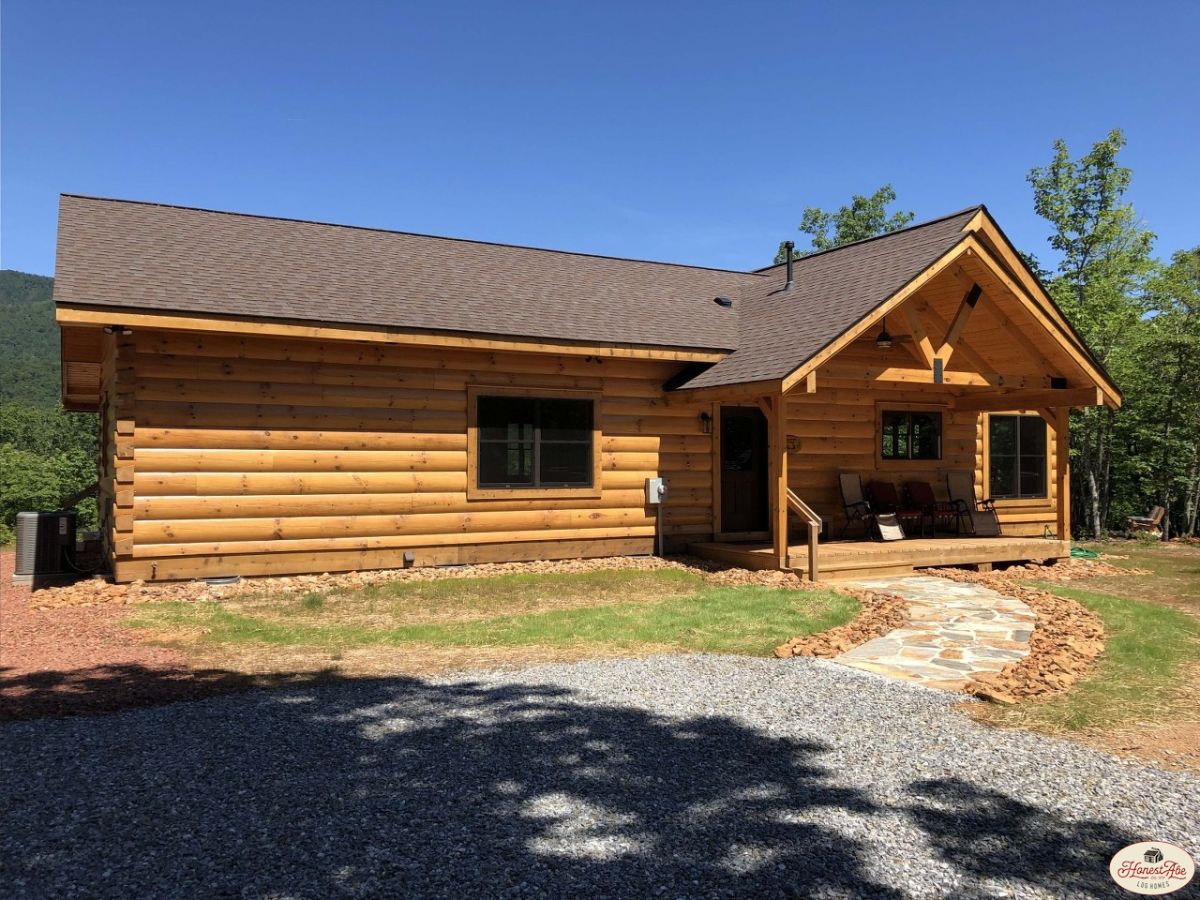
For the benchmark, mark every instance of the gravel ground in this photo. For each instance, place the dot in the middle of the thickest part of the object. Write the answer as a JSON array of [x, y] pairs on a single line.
[[669, 776]]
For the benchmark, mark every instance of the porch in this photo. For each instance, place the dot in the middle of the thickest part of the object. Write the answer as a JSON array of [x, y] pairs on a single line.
[[862, 559]]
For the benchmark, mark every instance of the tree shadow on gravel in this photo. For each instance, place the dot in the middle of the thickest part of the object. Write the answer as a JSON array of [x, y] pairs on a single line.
[[987, 834], [402, 787], [120, 686]]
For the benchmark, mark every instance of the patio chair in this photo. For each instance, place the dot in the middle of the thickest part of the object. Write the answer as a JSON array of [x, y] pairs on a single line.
[[884, 498], [1149, 522], [939, 512], [979, 515], [854, 504]]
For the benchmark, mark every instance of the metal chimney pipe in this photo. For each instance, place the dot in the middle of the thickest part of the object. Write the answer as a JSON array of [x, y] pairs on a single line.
[[789, 246]]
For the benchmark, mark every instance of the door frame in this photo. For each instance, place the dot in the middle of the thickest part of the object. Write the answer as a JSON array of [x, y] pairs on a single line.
[[718, 534]]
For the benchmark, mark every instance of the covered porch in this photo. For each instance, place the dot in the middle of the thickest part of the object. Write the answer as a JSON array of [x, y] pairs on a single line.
[[967, 368]]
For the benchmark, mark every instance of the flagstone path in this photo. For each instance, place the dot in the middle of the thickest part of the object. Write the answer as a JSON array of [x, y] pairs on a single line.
[[955, 631]]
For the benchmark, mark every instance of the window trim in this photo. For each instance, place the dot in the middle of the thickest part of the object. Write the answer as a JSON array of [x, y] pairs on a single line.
[[475, 492], [882, 406], [1042, 500]]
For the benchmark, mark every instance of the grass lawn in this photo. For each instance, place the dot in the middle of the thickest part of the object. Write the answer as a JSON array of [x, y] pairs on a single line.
[[1145, 693], [1175, 568], [427, 626]]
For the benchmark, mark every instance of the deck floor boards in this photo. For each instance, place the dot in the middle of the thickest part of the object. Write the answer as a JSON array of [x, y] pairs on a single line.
[[854, 559]]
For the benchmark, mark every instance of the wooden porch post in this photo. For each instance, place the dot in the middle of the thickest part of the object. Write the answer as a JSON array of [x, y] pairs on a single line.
[[1062, 445], [777, 444]]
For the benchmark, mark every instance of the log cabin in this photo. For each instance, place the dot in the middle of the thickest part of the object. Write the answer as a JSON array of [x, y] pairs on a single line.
[[279, 396]]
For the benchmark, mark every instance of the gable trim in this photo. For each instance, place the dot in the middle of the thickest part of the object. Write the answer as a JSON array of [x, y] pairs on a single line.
[[969, 244], [856, 330]]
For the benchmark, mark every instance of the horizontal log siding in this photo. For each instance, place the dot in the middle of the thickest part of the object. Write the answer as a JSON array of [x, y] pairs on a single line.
[[267, 455], [838, 432]]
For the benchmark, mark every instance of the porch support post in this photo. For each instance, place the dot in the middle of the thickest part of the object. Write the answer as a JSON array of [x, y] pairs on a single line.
[[777, 449], [1062, 447]]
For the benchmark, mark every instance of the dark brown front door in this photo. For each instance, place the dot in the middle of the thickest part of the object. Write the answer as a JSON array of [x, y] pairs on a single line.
[[743, 469]]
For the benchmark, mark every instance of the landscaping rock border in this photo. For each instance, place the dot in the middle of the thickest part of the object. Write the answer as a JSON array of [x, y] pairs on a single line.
[[881, 613], [1064, 646], [96, 591]]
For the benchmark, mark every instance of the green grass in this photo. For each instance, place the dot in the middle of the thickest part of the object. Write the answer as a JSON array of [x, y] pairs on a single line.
[[1140, 675], [1174, 568], [664, 609]]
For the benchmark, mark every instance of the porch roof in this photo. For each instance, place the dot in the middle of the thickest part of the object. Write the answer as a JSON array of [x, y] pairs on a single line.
[[779, 330]]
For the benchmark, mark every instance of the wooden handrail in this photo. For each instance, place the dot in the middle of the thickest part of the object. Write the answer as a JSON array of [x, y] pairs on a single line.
[[804, 511]]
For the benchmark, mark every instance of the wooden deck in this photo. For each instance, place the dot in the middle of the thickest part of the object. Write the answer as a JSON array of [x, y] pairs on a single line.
[[860, 559]]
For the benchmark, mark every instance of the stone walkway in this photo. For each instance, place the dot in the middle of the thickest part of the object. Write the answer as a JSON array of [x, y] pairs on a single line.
[[956, 630]]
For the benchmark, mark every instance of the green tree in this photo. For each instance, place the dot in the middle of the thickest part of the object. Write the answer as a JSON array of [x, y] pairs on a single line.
[[46, 455], [864, 217], [1104, 263], [1168, 402]]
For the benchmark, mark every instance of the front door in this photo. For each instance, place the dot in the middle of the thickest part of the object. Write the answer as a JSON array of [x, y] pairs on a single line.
[[743, 469]]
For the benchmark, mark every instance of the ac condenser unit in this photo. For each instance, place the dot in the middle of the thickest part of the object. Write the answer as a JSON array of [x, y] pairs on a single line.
[[45, 541]]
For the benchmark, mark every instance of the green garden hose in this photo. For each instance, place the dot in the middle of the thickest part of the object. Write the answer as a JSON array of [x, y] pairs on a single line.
[[1083, 553]]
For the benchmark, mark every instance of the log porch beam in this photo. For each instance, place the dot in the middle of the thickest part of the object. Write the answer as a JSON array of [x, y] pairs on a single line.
[[954, 332], [777, 449], [921, 340], [1052, 399], [904, 375]]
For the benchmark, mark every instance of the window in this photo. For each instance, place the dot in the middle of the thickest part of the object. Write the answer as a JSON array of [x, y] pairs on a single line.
[[1016, 457], [534, 442], [911, 435]]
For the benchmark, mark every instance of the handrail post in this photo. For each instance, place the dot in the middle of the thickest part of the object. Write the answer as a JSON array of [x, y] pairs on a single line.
[[815, 525], [777, 443]]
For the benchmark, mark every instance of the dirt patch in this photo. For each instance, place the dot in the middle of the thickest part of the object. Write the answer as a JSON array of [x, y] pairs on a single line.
[[410, 659], [82, 661], [880, 614], [1064, 646]]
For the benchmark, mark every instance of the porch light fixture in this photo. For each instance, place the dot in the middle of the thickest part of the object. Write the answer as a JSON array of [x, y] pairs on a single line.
[[705, 423]]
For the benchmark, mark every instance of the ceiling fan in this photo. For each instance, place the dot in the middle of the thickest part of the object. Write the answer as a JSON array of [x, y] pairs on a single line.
[[886, 340]]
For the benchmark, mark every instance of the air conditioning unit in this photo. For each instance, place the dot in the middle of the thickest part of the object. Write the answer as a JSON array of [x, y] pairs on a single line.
[[45, 542]]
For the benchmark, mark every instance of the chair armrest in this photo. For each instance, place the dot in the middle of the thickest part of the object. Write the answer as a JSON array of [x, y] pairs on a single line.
[[987, 503], [861, 506]]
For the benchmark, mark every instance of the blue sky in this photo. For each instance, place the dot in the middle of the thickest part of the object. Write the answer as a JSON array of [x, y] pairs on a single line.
[[690, 132]]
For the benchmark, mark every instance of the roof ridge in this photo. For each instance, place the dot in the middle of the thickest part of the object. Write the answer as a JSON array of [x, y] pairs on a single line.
[[434, 237], [875, 237]]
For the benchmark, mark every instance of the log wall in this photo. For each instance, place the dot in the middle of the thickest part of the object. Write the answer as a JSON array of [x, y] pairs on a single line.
[[837, 429], [255, 455]]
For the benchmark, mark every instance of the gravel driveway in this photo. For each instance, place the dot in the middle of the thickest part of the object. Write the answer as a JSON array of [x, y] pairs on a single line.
[[672, 776]]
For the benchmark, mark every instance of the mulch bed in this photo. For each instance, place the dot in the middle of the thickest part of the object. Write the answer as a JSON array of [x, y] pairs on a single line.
[[97, 591]]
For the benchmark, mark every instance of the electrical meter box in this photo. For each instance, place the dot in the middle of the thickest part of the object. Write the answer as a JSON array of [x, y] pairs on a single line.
[[656, 491]]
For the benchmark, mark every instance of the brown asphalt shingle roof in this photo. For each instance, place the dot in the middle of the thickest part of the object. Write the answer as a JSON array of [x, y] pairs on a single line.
[[178, 259], [780, 330]]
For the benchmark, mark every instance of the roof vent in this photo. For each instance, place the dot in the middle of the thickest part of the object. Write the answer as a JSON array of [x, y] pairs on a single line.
[[789, 246], [723, 301]]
